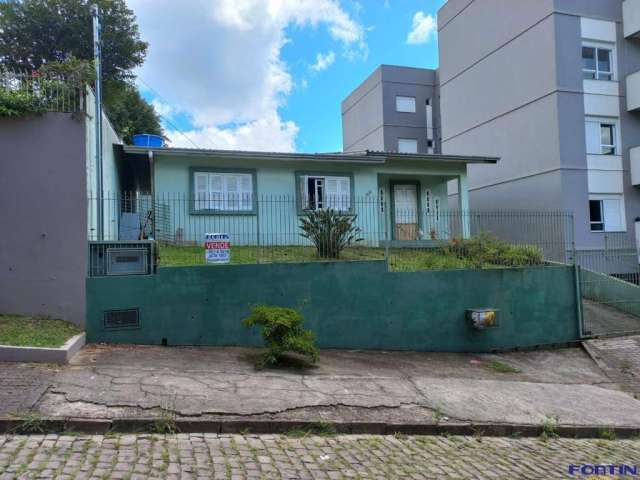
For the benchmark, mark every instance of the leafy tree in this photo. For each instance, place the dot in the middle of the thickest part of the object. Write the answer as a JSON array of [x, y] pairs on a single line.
[[40, 32]]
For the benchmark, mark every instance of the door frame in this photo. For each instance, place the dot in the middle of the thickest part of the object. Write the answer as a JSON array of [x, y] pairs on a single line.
[[392, 184]]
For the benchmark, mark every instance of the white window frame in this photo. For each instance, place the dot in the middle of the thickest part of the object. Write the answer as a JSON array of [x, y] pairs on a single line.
[[608, 226], [600, 121], [405, 104], [341, 202], [612, 61], [400, 140], [222, 198]]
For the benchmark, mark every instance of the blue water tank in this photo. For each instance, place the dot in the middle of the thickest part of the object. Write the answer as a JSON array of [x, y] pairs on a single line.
[[148, 140]]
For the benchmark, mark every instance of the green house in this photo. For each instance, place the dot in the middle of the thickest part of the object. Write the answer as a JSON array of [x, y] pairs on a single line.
[[258, 197]]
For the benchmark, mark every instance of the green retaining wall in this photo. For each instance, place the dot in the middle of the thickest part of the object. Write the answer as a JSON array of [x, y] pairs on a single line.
[[609, 290], [348, 304]]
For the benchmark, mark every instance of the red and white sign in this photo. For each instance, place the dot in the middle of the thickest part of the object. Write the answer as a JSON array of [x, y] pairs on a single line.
[[217, 248]]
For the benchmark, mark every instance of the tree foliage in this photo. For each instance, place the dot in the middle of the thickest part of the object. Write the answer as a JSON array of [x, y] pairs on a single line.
[[37, 33]]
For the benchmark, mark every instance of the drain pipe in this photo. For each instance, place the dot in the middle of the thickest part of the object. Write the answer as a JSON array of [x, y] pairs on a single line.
[[97, 59]]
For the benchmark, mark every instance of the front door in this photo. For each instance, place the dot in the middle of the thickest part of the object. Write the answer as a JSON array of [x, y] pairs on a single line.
[[405, 200]]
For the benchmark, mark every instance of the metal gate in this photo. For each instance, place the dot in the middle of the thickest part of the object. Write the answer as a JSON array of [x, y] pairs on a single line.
[[610, 287]]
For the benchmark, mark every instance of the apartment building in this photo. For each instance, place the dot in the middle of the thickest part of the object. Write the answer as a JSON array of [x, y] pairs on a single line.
[[552, 87], [395, 109]]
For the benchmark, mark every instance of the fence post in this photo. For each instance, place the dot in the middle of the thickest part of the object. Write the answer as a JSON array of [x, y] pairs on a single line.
[[578, 287], [258, 202]]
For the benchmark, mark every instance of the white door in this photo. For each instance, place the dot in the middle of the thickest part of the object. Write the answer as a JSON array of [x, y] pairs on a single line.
[[405, 200]]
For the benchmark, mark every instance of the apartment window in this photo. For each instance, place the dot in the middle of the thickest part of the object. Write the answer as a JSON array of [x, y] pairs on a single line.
[[320, 191], [606, 213], [406, 104], [597, 63], [407, 145], [223, 191], [601, 136]]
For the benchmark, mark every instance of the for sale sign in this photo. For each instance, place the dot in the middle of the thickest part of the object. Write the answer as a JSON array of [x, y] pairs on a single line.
[[217, 248]]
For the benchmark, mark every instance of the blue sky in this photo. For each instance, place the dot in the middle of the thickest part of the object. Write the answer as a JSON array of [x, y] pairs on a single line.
[[244, 74]]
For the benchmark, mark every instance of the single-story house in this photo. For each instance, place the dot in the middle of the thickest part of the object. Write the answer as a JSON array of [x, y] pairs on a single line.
[[258, 197]]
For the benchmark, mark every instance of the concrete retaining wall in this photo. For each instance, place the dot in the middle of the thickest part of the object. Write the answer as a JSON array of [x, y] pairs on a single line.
[[347, 304]]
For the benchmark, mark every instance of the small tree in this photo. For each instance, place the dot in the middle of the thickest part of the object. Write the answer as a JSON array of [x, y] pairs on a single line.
[[282, 332], [330, 231]]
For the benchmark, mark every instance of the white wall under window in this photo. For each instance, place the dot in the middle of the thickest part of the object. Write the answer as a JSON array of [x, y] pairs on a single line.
[[407, 145], [405, 104]]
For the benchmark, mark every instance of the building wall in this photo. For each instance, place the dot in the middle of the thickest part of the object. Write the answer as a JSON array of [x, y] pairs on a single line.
[[277, 191], [369, 117], [43, 249], [514, 89]]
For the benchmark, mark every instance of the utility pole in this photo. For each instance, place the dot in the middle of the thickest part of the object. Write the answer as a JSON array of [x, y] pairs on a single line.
[[97, 59]]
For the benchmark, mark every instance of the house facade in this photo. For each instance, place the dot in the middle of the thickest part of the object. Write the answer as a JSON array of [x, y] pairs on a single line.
[[259, 197], [554, 92]]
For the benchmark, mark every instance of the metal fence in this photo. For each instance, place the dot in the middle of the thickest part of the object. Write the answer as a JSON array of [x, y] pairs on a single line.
[[39, 92], [277, 229], [610, 285]]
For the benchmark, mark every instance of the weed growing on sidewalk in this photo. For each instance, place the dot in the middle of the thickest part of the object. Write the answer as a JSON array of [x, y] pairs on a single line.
[[319, 429], [607, 434], [502, 367], [166, 423], [30, 422], [549, 428]]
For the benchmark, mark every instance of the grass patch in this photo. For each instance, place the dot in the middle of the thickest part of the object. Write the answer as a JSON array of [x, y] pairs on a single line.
[[482, 251], [31, 422], [502, 367], [20, 331]]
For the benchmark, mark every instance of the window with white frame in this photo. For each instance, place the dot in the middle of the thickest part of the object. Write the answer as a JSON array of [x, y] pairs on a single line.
[[405, 104], [601, 136], [221, 191], [597, 62], [318, 192], [606, 213], [407, 145]]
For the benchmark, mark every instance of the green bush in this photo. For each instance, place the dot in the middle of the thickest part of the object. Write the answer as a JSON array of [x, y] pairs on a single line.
[[17, 103], [330, 231], [485, 249], [282, 332]]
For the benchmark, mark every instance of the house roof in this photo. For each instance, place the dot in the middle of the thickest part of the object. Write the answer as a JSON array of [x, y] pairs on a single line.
[[367, 156]]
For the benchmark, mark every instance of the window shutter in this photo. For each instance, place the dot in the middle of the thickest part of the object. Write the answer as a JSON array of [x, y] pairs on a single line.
[[332, 193], [216, 192], [201, 187], [246, 192], [303, 190], [592, 132], [344, 193], [612, 212]]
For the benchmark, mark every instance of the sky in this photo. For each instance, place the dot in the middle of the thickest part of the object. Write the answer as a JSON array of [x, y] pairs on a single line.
[[270, 74]]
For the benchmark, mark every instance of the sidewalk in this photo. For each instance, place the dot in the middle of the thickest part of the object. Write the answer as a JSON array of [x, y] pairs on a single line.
[[380, 388]]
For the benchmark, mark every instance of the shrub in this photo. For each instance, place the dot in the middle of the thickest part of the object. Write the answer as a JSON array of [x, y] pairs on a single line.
[[485, 249], [330, 231], [16, 103], [282, 332]]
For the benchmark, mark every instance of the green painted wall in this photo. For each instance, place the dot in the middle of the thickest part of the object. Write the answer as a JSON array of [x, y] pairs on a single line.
[[348, 305], [617, 293], [277, 219]]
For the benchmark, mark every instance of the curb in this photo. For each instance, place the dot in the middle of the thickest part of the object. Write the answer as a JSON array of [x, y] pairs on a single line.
[[60, 355], [145, 425]]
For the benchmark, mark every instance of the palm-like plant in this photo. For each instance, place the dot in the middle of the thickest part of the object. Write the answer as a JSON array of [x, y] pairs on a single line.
[[330, 231]]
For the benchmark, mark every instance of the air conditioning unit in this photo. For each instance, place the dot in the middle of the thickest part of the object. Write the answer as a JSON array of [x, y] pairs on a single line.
[[121, 258]]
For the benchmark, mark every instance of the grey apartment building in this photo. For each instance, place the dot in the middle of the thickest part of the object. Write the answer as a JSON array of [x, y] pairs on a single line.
[[552, 87]]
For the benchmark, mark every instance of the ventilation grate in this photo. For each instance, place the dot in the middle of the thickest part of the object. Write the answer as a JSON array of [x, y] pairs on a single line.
[[121, 319]]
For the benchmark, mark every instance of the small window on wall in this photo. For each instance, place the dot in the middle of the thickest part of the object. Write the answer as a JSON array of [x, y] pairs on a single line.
[[597, 62], [223, 192], [407, 145], [606, 214], [318, 192], [405, 104], [601, 136]]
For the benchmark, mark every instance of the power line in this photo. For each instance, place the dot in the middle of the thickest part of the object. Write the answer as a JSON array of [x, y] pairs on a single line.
[[171, 124]]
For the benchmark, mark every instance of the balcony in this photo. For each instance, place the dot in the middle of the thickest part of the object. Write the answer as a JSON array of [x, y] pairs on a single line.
[[634, 159], [633, 92], [631, 18]]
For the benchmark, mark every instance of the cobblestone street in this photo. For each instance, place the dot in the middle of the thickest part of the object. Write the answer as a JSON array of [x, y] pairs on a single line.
[[305, 457]]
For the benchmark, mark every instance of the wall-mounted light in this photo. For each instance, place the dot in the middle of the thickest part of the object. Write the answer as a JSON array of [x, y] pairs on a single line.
[[482, 318]]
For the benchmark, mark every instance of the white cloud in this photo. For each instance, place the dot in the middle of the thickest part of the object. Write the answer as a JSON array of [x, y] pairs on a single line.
[[424, 27], [163, 109], [219, 61], [323, 61]]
